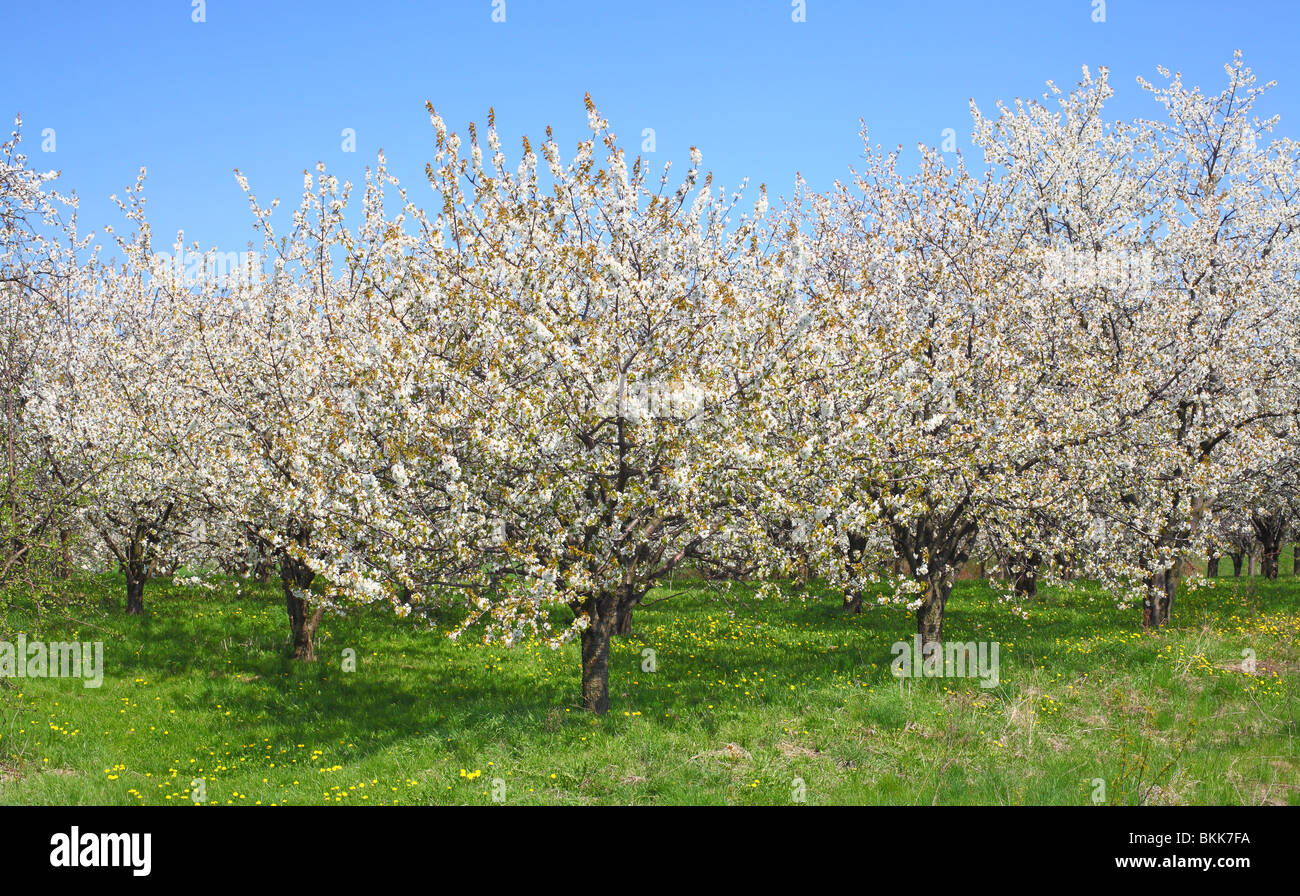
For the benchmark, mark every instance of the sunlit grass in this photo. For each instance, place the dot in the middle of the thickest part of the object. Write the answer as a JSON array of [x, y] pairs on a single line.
[[750, 702]]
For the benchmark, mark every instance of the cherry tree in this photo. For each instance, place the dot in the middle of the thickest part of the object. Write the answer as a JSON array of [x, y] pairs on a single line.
[[116, 409], [270, 356], [1169, 242], [631, 337], [1229, 206], [39, 277], [939, 389]]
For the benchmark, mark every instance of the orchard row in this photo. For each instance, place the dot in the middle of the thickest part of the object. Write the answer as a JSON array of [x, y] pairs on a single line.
[[576, 375]]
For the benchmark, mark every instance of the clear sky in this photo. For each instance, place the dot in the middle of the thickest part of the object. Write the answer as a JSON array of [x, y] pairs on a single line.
[[268, 87]]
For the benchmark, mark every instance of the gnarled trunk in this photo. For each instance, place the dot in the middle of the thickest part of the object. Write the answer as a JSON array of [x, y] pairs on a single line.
[[595, 669], [1269, 558], [929, 618], [136, 570], [623, 620], [934, 562], [1236, 564], [136, 577], [297, 577], [853, 601], [602, 618], [1024, 574], [1159, 602]]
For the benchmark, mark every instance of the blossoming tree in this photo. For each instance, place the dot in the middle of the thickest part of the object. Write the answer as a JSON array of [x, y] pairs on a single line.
[[637, 334]]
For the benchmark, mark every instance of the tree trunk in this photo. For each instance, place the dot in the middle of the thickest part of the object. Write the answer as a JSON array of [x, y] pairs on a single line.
[[1250, 563], [1236, 565], [853, 601], [1027, 583], [297, 577], [136, 577], [1025, 575], [303, 622], [602, 618], [595, 669], [1268, 560], [929, 618], [1212, 565], [1160, 598], [136, 570], [623, 622]]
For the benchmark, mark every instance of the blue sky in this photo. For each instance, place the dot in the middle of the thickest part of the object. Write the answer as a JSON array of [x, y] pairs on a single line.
[[268, 87]]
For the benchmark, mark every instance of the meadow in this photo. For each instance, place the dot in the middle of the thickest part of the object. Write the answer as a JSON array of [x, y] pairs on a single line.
[[749, 702]]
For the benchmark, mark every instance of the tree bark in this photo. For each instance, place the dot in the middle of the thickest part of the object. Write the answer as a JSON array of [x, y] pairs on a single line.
[[1212, 565], [595, 669], [623, 621], [602, 618], [1159, 601], [929, 618], [297, 577], [1268, 561], [136, 570], [1025, 577], [135, 582], [1236, 565], [853, 601]]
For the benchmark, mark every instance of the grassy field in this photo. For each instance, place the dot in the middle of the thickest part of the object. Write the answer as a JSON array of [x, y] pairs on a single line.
[[751, 702]]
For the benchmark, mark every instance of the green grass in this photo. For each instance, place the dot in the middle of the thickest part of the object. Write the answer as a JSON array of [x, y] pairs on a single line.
[[747, 697]]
